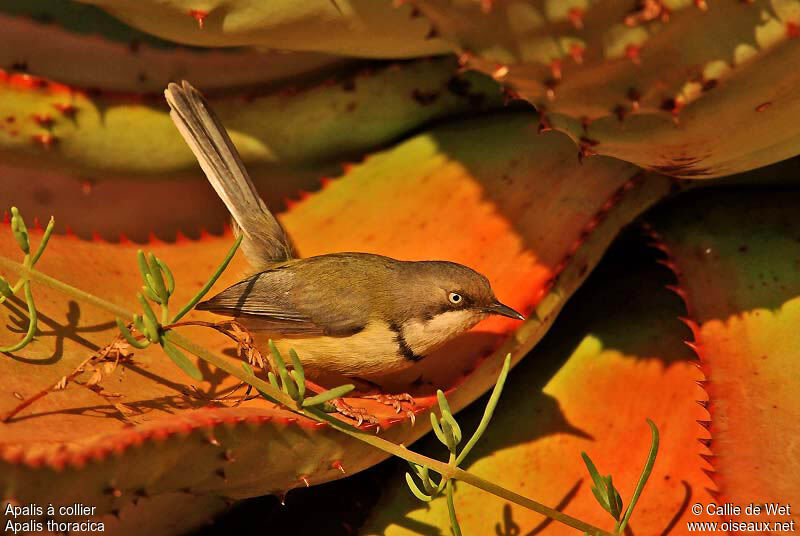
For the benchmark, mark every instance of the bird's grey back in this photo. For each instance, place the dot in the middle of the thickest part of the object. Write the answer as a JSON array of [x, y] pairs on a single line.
[[326, 295]]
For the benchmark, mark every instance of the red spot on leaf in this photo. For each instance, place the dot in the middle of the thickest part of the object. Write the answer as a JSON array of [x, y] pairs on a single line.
[[66, 109], [199, 16], [45, 140], [575, 16], [576, 51], [633, 53], [42, 120], [555, 69]]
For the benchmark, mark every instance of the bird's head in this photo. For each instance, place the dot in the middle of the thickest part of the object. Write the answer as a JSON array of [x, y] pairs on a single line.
[[444, 299], [455, 287]]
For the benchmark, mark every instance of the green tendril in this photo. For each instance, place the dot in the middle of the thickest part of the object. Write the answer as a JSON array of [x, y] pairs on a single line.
[[210, 283], [489, 411], [415, 490], [448, 432], [451, 509], [648, 468], [32, 322], [45, 239], [21, 235], [141, 345]]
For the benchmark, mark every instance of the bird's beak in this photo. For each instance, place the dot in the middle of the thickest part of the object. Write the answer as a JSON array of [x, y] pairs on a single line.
[[498, 308]]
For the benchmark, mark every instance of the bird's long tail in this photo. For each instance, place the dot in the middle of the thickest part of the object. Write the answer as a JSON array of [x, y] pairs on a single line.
[[264, 240]]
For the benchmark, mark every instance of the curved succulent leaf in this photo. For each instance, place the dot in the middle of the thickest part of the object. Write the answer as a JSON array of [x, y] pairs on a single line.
[[687, 91], [83, 47], [75, 131], [736, 256], [409, 201], [334, 26]]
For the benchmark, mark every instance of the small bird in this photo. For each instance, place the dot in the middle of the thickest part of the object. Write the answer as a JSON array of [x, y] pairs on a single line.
[[357, 315]]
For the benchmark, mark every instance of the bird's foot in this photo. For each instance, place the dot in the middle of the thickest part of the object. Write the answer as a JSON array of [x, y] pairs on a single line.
[[245, 345], [396, 402], [360, 415]]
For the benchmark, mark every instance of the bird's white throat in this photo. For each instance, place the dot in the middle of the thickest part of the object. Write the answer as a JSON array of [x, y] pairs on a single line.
[[424, 336]]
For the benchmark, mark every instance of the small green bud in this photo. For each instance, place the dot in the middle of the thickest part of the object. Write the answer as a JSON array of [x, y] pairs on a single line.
[[20, 231]]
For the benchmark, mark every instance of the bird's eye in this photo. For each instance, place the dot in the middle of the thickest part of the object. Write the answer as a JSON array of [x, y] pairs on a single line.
[[455, 298]]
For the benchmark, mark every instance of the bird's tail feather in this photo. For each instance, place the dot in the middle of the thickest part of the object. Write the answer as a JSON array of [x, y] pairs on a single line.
[[265, 242]]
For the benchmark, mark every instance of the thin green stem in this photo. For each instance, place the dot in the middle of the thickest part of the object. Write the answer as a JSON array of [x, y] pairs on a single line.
[[26, 261], [488, 412], [65, 288], [444, 469], [199, 296], [32, 321], [43, 244], [452, 509], [648, 468]]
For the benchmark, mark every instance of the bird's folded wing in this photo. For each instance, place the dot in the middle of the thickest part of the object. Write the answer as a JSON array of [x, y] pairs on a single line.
[[270, 307]]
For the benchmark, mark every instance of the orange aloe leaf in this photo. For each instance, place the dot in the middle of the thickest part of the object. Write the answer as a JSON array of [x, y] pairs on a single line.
[[615, 357], [527, 214], [737, 256]]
